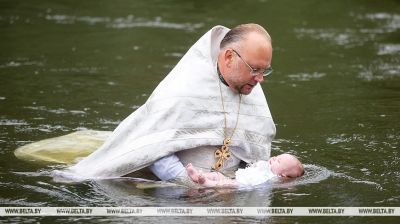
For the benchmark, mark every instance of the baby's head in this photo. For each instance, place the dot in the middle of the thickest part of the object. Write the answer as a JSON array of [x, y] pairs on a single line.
[[286, 165]]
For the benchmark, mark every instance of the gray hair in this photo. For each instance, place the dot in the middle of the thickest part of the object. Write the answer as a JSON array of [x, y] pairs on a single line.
[[239, 33]]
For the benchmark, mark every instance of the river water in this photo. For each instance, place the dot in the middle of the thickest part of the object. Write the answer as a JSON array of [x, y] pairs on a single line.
[[334, 95]]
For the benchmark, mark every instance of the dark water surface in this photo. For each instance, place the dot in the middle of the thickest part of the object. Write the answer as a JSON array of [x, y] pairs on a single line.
[[334, 95]]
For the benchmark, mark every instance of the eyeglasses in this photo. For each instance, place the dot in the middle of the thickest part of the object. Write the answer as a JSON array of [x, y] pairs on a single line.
[[254, 72]]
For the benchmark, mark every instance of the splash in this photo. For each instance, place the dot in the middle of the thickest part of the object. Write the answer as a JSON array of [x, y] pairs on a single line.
[[312, 174]]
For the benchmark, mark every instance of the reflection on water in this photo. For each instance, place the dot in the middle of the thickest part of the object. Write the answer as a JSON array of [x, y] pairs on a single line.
[[127, 191], [132, 192], [334, 95]]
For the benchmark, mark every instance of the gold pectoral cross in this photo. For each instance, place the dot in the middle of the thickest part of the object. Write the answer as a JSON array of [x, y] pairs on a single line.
[[222, 154]]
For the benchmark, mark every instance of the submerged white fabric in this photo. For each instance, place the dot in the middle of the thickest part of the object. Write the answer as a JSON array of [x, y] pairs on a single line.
[[255, 174], [184, 112], [167, 168]]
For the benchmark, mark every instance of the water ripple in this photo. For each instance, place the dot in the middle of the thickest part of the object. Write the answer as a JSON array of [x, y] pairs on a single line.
[[56, 111], [351, 37], [391, 49], [61, 192], [313, 174], [123, 22], [370, 143], [16, 63], [346, 38], [379, 70], [12, 122], [89, 70], [43, 127], [388, 22], [355, 180], [21, 202], [306, 76]]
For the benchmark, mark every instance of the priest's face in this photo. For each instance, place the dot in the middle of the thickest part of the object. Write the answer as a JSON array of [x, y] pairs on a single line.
[[251, 59]]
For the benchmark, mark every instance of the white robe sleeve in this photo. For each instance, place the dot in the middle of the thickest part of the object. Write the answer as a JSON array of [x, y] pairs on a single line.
[[168, 168]]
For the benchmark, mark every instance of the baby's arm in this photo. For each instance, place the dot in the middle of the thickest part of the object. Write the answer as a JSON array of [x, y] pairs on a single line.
[[209, 179]]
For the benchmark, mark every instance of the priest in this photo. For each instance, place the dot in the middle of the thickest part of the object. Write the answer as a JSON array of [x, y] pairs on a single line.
[[210, 111]]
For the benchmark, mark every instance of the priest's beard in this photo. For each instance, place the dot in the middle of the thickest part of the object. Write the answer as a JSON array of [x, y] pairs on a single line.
[[239, 83]]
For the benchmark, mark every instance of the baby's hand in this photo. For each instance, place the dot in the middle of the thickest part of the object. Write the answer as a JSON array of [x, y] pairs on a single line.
[[192, 173], [201, 178]]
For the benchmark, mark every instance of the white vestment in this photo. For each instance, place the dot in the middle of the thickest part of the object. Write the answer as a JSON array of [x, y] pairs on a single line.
[[185, 112]]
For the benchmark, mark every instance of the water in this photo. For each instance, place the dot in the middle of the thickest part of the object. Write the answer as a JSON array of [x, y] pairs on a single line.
[[334, 95]]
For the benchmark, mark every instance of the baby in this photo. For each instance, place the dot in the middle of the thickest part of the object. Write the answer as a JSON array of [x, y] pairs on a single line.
[[284, 165]]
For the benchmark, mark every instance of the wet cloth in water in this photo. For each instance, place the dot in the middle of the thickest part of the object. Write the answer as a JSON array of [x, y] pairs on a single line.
[[255, 174]]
